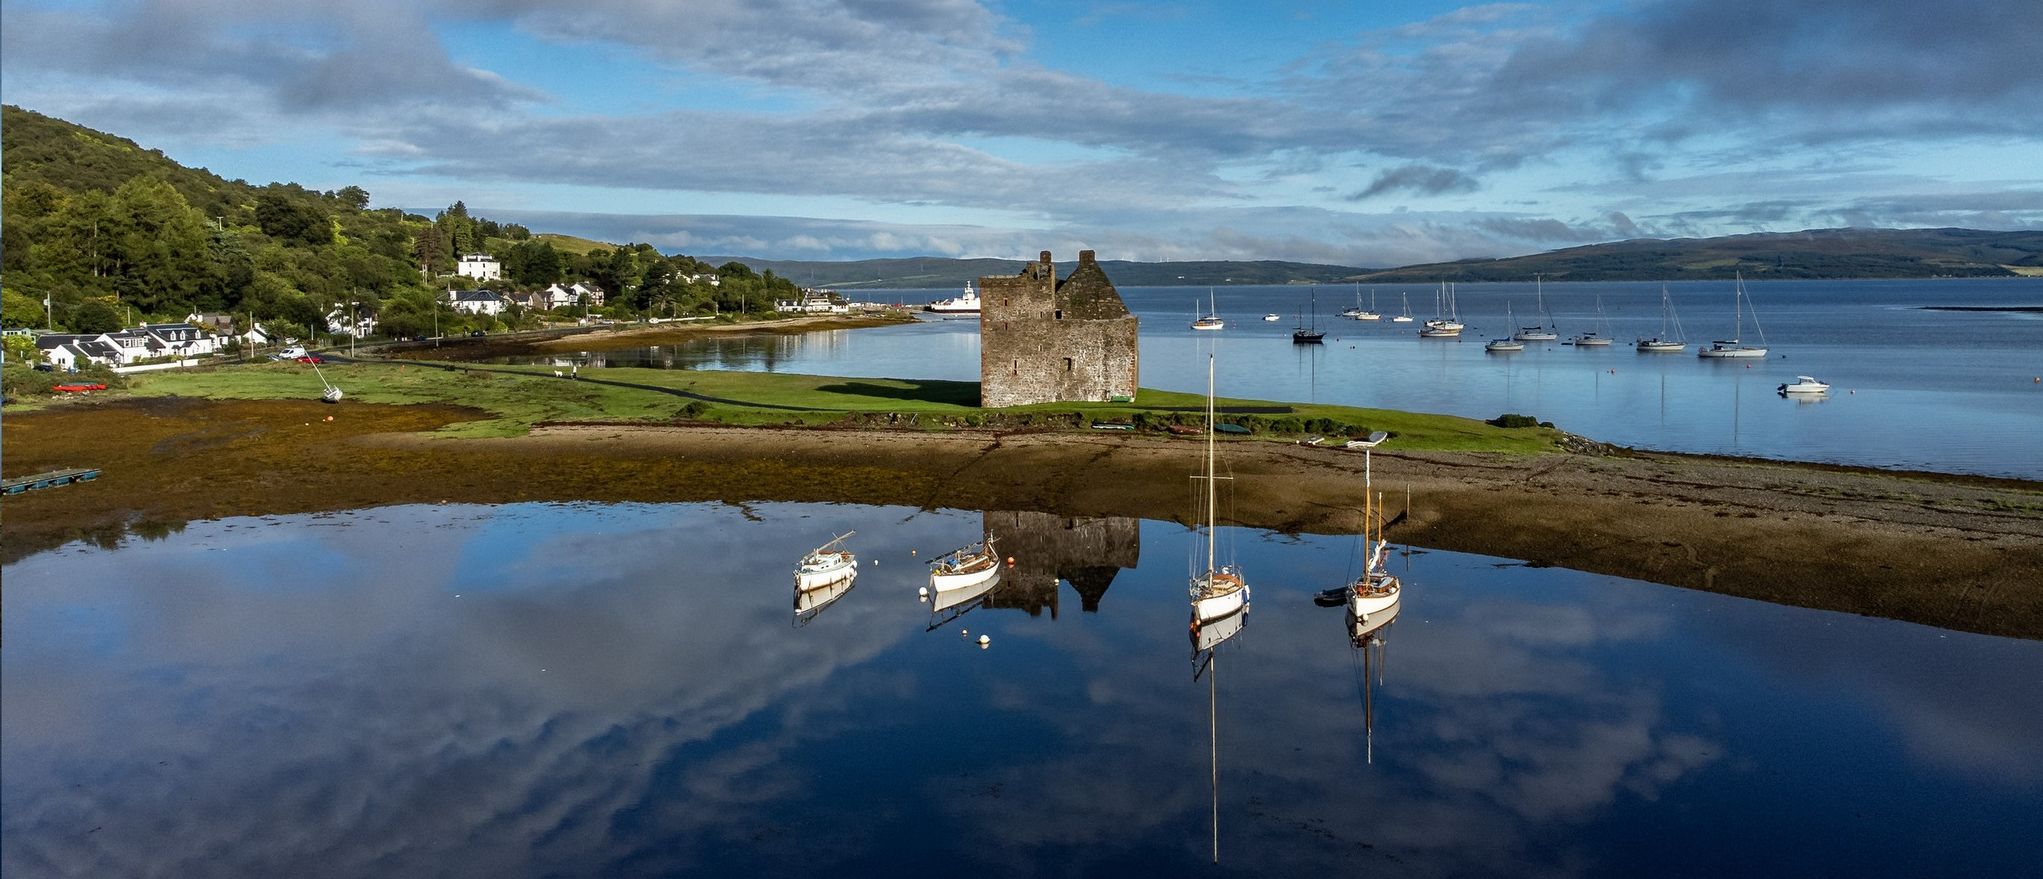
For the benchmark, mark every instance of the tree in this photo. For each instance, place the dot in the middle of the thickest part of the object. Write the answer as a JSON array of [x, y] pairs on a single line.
[[353, 196], [291, 221], [20, 310], [95, 316]]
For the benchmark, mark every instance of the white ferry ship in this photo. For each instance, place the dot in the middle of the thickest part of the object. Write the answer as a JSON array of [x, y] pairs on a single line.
[[963, 303]]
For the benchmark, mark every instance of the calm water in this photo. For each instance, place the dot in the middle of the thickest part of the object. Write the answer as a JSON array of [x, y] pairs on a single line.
[[1934, 390], [611, 690]]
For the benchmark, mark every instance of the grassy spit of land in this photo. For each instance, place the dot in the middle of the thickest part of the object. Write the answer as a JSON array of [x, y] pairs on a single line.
[[1959, 552]]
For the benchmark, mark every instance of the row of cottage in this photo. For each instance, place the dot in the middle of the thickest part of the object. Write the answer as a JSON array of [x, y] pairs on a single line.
[[493, 303], [194, 337]]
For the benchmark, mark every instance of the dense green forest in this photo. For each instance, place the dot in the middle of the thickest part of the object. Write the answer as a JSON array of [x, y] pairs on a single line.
[[113, 234]]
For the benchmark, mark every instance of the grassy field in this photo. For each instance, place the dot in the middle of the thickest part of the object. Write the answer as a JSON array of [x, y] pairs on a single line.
[[511, 399]]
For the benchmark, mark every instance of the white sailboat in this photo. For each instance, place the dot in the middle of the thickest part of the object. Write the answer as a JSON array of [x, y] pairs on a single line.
[[1599, 337], [964, 567], [1360, 313], [1504, 346], [1377, 591], [1543, 331], [1219, 590], [826, 564], [1664, 343], [332, 394], [1211, 319], [1405, 316], [1447, 324], [1733, 347]]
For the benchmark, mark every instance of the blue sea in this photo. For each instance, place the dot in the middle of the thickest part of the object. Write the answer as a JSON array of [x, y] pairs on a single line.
[[1949, 391]]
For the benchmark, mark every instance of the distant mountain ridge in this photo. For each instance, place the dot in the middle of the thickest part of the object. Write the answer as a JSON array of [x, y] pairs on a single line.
[[928, 272], [1812, 253]]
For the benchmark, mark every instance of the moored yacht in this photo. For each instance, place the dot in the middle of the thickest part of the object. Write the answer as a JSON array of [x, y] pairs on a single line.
[[1804, 386], [1733, 347], [1665, 343]]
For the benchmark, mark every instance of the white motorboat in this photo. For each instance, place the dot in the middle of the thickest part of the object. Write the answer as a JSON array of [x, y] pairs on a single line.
[[1271, 317], [1667, 342], [826, 564], [1733, 347], [1219, 590], [963, 303], [1211, 319], [964, 567], [1804, 386]]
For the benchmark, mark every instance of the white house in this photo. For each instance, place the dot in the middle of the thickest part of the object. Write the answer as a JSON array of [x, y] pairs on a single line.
[[812, 302], [709, 278], [487, 302], [584, 288], [480, 266], [337, 322], [183, 339]]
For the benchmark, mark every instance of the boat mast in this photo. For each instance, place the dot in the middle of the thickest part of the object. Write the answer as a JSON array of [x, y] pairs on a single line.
[[1211, 509]]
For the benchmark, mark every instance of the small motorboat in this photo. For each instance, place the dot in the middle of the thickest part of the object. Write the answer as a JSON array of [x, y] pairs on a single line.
[[1271, 318], [1804, 386]]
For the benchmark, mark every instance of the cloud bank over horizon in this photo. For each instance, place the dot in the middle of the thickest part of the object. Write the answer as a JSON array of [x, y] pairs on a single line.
[[830, 129]]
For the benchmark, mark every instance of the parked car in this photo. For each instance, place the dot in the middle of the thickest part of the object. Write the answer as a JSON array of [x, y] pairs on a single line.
[[292, 353], [45, 367], [476, 334], [311, 358]]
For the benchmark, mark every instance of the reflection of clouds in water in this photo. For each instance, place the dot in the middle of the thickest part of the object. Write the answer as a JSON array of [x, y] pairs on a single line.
[[1492, 725], [392, 728]]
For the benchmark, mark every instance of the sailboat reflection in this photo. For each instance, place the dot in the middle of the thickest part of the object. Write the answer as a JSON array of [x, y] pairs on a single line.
[[1207, 637], [1366, 635], [824, 575], [946, 605], [809, 603]]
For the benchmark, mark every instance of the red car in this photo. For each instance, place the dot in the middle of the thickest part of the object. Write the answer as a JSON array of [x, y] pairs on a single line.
[[311, 358]]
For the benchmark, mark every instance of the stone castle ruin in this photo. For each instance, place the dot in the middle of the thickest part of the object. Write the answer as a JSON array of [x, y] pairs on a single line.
[[1042, 340]]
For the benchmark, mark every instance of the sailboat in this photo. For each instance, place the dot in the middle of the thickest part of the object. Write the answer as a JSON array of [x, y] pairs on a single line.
[[1505, 346], [1219, 590], [1664, 343], [966, 566], [332, 394], [1360, 313], [1211, 319], [1732, 347], [1448, 325], [1599, 337], [1543, 331], [1312, 335], [1377, 591], [1404, 317], [826, 564]]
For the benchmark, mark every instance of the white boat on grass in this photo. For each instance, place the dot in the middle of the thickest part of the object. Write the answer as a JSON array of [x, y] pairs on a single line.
[[963, 303], [1666, 342], [826, 564], [1218, 590], [1733, 347], [964, 567], [1804, 386]]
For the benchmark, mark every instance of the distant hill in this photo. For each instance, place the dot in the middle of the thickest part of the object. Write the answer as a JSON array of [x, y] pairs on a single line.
[[938, 273], [1815, 253]]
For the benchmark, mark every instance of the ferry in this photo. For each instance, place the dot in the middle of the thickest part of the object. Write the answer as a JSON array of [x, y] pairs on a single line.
[[963, 303]]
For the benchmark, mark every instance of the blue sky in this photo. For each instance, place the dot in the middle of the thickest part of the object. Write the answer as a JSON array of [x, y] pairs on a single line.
[[1351, 133]]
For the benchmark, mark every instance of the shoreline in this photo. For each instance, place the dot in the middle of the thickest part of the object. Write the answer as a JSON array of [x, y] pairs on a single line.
[[1948, 550]]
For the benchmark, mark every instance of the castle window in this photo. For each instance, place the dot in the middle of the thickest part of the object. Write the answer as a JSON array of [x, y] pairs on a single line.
[[1067, 364], [1060, 314]]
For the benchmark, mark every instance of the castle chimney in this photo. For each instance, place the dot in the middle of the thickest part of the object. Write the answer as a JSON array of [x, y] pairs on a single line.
[[1085, 257], [1045, 258]]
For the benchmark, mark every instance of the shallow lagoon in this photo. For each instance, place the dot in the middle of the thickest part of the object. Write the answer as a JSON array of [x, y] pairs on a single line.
[[590, 689]]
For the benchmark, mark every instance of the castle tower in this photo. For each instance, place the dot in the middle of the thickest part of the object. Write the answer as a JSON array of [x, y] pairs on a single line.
[[1042, 340]]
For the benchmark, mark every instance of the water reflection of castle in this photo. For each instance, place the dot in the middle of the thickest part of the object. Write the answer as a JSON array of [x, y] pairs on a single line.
[[1048, 548]]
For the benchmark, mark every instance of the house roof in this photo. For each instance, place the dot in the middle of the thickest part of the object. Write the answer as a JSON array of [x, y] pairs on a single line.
[[478, 296], [48, 341]]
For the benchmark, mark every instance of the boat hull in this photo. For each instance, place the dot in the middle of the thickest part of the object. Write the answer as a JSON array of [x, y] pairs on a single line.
[[1375, 598], [1209, 325], [1502, 347], [1534, 337], [1653, 346], [1731, 352], [819, 577], [1591, 343], [1224, 594]]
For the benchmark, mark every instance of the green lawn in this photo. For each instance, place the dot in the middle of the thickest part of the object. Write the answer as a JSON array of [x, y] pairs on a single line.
[[515, 398]]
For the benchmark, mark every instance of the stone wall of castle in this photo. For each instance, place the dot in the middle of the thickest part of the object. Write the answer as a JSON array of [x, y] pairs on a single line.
[[1042, 340]]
